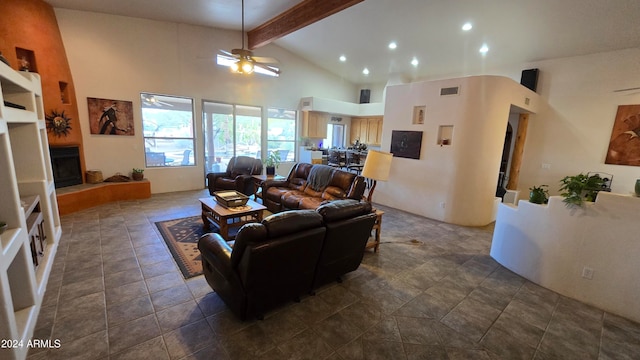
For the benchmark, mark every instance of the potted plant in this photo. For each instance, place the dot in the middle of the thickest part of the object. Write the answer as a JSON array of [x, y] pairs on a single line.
[[580, 188], [272, 161], [539, 194], [3, 226], [137, 174]]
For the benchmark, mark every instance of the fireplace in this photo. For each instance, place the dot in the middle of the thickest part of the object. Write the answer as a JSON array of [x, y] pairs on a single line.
[[65, 162]]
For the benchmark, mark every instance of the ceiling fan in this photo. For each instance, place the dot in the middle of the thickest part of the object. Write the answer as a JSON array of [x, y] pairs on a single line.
[[151, 100], [243, 60]]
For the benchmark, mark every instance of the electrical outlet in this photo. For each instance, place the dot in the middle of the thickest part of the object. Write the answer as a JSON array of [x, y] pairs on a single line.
[[442, 204], [587, 273], [546, 166]]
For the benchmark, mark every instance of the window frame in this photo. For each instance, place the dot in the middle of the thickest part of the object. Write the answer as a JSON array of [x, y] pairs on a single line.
[[165, 101]]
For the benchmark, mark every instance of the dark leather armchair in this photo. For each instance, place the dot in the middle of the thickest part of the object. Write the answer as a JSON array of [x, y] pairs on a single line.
[[348, 224], [271, 262], [237, 177]]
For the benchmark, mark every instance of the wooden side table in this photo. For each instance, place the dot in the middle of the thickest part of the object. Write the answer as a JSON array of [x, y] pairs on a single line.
[[377, 227], [258, 180]]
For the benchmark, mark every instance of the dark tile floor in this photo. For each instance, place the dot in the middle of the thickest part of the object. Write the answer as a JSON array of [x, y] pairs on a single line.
[[432, 292]]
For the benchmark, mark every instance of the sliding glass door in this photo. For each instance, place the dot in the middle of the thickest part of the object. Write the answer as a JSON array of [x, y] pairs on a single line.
[[230, 130]]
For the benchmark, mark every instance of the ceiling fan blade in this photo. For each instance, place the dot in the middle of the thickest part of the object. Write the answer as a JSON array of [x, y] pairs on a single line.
[[266, 60], [226, 53], [628, 89], [232, 58], [268, 68]]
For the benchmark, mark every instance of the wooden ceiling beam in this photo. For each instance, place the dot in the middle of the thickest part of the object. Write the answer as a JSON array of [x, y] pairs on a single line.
[[303, 14]]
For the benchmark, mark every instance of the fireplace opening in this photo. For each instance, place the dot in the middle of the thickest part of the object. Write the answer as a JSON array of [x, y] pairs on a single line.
[[65, 162]]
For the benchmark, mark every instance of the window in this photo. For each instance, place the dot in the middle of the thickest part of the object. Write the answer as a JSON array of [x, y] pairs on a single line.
[[167, 123], [281, 133], [230, 130], [335, 136]]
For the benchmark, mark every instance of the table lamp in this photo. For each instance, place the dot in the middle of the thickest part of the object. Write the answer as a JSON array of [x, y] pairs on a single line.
[[376, 167]]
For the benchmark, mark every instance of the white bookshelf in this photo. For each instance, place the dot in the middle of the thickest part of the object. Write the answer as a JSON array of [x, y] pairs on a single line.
[[27, 201]]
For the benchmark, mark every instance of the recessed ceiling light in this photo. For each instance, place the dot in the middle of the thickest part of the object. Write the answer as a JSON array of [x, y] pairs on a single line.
[[484, 49], [467, 26], [365, 71], [393, 45], [343, 58], [415, 62]]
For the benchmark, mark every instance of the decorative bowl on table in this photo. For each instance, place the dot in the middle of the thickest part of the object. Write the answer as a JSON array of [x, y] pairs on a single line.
[[230, 198]]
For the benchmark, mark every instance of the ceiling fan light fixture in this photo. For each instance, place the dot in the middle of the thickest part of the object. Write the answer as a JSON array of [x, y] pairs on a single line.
[[247, 66]]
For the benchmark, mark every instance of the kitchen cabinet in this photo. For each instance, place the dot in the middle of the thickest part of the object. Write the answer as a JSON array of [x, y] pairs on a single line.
[[366, 129], [314, 124]]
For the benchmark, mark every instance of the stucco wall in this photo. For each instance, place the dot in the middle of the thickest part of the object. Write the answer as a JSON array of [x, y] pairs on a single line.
[[552, 244], [117, 57], [454, 183]]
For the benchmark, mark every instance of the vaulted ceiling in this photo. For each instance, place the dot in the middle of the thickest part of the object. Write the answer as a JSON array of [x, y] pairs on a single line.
[[429, 31]]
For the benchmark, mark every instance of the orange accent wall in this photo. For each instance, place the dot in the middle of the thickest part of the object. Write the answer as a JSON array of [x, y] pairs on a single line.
[[30, 26]]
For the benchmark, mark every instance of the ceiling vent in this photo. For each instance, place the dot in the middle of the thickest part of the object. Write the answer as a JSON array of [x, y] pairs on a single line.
[[449, 91]]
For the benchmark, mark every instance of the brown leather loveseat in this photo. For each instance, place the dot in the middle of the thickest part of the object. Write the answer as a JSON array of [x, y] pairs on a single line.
[[309, 185], [286, 256]]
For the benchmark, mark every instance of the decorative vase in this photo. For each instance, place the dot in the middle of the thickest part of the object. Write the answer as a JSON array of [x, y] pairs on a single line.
[[638, 187], [137, 176], [271, 170]]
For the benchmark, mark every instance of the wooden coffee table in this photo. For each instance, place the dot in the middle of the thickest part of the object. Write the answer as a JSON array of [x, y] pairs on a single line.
[[226, 219]]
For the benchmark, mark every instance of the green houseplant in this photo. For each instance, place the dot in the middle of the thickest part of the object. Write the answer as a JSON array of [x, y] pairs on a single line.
[[137, 174], [272, 161], [580, 188], [539, 194]]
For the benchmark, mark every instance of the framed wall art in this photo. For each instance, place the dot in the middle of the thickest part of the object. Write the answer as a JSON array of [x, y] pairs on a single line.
[[110, 117], [406, 144], [624, 146]]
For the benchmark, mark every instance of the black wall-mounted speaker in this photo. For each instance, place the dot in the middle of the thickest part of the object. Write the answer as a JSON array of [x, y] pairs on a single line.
[[529, 78], [365, 94]]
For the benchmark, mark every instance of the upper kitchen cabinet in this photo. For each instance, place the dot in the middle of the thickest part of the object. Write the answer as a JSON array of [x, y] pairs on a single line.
[[368, 130], [314, 124]]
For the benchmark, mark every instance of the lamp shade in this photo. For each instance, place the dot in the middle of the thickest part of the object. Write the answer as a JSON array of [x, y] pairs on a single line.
[[377, 165]]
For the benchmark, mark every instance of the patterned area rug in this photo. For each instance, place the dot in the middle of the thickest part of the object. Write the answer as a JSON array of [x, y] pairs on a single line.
[[181, 236]]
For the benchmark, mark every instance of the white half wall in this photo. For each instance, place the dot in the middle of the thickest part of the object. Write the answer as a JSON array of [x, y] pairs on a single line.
[[551, 245], [117, 57], [453, 183]]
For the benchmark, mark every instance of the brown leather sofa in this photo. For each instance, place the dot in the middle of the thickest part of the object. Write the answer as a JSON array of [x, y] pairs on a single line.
[[286, 256], [348, 224], [271, 262], [237, 177], [297, 192]]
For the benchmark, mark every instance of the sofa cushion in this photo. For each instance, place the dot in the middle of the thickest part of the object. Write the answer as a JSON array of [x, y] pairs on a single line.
[[310, 202], [289, 222], [291, 199], [250, 233], [308, 191], [225, 183], [343, 209], [332, 193], [275, 193], [298, 184]]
